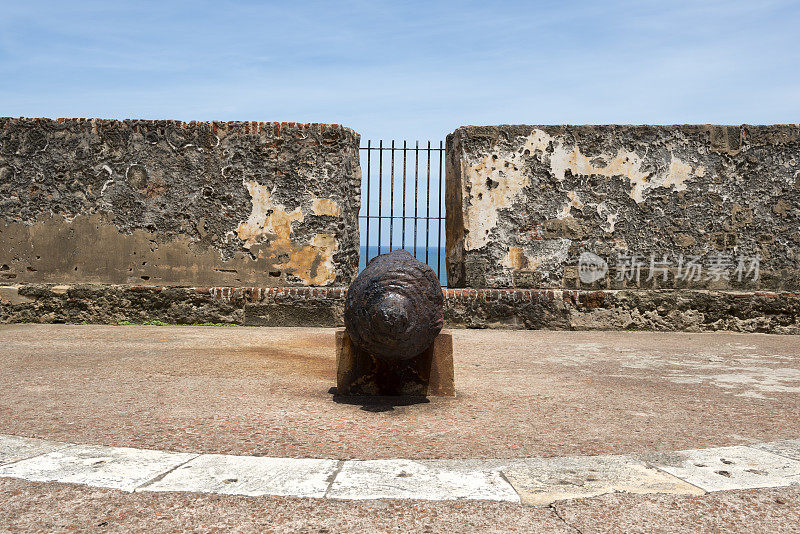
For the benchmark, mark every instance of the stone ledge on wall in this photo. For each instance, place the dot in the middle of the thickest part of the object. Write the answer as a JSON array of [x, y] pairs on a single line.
[[661, 310]]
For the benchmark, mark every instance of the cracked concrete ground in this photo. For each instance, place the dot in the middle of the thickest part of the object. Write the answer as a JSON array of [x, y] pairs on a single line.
[[260, 391]]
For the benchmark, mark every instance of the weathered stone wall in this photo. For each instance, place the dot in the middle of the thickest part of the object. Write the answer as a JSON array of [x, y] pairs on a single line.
[[635, 309], [170, 203], [706, 207]]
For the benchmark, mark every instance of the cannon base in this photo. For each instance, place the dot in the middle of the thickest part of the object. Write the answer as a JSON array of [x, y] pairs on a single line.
[[429, 374]]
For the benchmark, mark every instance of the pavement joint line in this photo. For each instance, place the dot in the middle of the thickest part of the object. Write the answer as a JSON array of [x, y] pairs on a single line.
[[502, 474], [432, 480], [161, 476], [728, 468], [336, 472], [64, 447], [122, 468], [667, 473], [753, 446], [250, 475], [706, 470]]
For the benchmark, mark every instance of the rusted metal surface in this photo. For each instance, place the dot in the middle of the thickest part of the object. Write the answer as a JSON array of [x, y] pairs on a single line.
[[394, 308]]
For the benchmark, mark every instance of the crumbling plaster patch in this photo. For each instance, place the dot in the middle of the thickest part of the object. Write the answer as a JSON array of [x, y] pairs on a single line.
[[495, 183], [271, 223], [624, 163], [498, 179]]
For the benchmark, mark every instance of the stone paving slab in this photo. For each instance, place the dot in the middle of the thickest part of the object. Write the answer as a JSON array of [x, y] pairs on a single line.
[[247, 475], [531, 481], [425, 480], [541, 481], [729, 468], [52, 507], [786, 447], [120, 468], [15, 448]]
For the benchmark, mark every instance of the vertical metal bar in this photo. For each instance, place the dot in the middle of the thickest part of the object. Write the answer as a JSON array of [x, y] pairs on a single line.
[[380, 192], [428, 206], [441, 185], [416, 194], [403, 243], [391, 201], [369, 155]]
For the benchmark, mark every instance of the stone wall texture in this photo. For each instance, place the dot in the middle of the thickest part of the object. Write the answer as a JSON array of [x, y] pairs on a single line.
[[663, 207], [691, 310], [184, 204]]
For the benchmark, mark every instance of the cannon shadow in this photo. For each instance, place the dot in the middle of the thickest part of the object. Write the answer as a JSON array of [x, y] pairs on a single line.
[[377, 403]]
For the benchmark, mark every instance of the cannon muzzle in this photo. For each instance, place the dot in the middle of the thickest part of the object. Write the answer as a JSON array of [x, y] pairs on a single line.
[[394, 307]]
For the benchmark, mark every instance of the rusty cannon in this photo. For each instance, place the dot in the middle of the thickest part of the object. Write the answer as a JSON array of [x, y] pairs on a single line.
[[394, 308], [393, 342]]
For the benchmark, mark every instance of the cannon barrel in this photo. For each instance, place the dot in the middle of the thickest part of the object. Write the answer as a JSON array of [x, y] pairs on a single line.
[[394, 307]]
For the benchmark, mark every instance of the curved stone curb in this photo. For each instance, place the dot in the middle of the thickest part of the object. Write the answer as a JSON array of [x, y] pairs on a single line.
[[532, 481]]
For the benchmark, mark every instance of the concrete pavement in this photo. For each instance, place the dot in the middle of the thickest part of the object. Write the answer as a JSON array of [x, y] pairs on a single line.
[[557, 420], [266, 392]]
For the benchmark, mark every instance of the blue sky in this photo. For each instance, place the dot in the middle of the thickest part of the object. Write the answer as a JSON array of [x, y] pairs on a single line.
[[404, 70]]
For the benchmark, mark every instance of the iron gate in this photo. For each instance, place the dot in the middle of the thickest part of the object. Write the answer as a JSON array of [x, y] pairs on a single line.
[[421, 222]]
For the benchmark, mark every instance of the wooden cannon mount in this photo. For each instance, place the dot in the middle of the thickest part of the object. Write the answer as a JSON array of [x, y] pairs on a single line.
[[393, 342]]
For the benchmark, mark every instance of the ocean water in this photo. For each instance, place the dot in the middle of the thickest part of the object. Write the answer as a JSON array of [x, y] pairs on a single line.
[[434, 254]]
